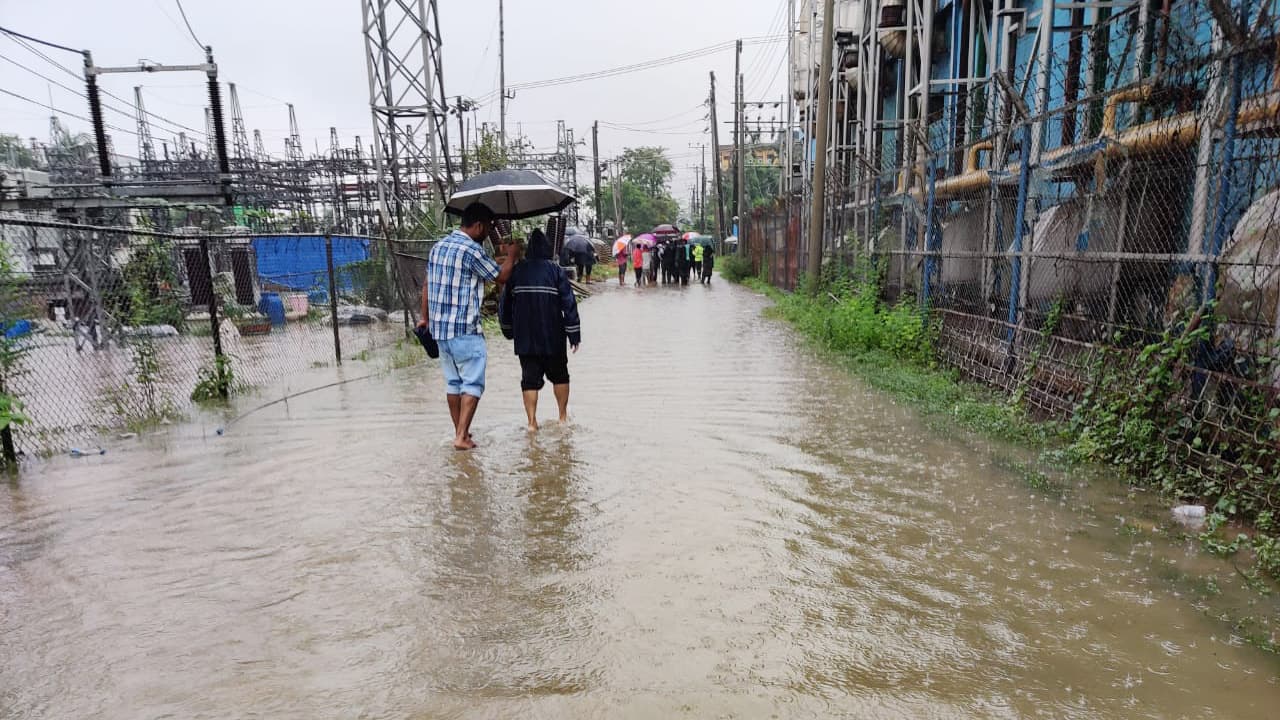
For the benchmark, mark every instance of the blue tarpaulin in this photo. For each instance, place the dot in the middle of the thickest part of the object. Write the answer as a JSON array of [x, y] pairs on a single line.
[[298, 262]]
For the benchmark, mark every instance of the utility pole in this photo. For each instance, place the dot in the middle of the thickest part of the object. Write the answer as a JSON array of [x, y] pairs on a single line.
[[595, 160], [462, 135], [742, 167], [737, 134], [702, 190], [502, 77], [818, 214], [789, 98], [715, 143]]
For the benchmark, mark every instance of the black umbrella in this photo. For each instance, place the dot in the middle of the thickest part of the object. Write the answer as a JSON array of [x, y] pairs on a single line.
[[510, 194]]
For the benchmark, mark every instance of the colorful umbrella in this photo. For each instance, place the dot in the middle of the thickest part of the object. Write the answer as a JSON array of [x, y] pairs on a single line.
[[646, 240], [689, 235], [620, 245], [667, 229]]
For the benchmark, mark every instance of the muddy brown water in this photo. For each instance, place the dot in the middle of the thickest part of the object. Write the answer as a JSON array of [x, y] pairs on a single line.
[[732, 527]]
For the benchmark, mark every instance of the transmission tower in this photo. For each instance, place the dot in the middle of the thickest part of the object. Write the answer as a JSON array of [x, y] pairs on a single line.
[[259, 150], [293, 145], [146, 146], [407, 101], [239, 136]]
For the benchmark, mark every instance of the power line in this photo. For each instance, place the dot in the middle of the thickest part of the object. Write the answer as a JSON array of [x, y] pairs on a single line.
[[774, 28], [635, 67], [46, 43], [188, 23], [37, 103], [108, 93], [64, 87]]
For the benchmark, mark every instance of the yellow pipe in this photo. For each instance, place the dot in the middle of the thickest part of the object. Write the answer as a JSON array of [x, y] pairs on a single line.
[[971, 157], [1140, 93], [1179, 130]]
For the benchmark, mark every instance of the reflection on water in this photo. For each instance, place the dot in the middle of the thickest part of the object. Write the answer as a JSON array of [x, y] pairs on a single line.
[[731, 528]]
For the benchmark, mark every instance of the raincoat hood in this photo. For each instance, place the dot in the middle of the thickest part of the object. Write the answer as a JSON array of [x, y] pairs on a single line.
[[539, 246]]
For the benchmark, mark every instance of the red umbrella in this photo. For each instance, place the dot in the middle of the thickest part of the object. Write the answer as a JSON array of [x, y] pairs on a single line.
[[667, 229]]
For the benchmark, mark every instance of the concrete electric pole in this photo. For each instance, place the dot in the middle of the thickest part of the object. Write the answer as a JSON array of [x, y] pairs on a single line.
[[817, 215]]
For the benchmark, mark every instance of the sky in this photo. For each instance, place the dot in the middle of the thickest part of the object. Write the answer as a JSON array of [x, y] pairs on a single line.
[[311, 53]]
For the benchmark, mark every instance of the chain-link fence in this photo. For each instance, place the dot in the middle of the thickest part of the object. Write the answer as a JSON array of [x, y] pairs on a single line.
[[113, 328], [1116, 187]]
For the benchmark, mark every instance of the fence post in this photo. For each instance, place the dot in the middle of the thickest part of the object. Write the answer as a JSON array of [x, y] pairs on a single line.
[[6, 440], [932, 243], [1019, 230], [214, 324], [333, 296]]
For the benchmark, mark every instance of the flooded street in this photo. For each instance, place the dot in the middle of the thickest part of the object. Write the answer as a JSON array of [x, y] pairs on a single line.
[[732, 527]]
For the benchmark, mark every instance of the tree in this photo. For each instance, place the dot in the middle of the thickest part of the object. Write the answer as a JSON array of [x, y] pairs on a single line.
[[644, 198], [488, 154], [14, 153]]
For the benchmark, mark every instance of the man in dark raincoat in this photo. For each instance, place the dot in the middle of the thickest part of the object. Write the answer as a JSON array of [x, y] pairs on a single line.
[[539, 312]]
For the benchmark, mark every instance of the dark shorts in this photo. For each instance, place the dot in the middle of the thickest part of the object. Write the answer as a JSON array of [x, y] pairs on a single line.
[[534, 367]]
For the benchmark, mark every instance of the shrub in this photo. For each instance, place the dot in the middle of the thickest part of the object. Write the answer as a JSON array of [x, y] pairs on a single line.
[[735, 268]]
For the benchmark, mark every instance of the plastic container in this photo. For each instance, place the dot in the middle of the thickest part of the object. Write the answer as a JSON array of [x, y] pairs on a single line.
[[297, 303], [273, 307]]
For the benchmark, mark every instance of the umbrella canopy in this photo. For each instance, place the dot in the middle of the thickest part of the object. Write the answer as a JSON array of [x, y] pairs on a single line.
[[620, 245], [667, 229], [689, 236], [510, 194], [646, 239], [578, 244]]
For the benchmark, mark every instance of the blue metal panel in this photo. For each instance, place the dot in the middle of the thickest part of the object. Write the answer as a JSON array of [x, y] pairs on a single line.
[[298, 262]]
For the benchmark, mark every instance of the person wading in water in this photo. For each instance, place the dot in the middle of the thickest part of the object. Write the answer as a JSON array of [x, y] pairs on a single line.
[[539, 312], [457, 269]]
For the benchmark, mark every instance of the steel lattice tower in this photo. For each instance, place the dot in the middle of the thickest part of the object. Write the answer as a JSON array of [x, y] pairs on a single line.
[[146, 146], [407, 101], [239, 135]]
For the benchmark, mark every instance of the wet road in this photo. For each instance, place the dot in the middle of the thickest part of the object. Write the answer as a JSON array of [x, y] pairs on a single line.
[[731, 527]]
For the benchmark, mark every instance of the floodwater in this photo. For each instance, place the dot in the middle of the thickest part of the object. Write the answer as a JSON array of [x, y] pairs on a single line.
[[732, 527]]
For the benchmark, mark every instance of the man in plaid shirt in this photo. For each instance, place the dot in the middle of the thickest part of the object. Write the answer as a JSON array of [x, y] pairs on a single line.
[[457, 269]]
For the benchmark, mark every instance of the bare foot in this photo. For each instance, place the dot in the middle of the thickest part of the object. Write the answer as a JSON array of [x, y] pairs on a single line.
[[533, 427], [464, 444], [564, 419]]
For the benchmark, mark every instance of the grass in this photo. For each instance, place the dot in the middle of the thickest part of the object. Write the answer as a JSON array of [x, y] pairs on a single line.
[[876, 345]]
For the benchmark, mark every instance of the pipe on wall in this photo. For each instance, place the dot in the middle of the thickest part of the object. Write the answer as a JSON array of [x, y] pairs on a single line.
[[1177, 131]]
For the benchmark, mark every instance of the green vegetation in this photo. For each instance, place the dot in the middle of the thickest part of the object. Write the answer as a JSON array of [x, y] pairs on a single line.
[[734, 268], [13, 308], [215, 382], [1222, 452], [644, 199], [149, 294], [372, 281]]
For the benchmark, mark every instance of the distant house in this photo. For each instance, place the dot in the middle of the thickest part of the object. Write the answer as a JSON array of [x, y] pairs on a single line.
[[760, 154]]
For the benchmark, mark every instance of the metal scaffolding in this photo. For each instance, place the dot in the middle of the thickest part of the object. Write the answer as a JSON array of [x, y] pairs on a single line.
[[409, 109]]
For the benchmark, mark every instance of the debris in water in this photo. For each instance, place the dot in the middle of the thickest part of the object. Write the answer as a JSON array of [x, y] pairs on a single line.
[[77, 452], [220, 430], [1191, 516]]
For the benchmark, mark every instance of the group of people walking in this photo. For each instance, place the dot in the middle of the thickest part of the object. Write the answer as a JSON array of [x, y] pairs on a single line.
[[674, 261]]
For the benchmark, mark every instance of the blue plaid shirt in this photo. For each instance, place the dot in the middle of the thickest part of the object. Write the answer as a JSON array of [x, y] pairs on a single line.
[[456, 272]]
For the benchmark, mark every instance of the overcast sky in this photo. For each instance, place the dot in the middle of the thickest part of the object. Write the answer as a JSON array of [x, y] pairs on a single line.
[[310, 53]]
